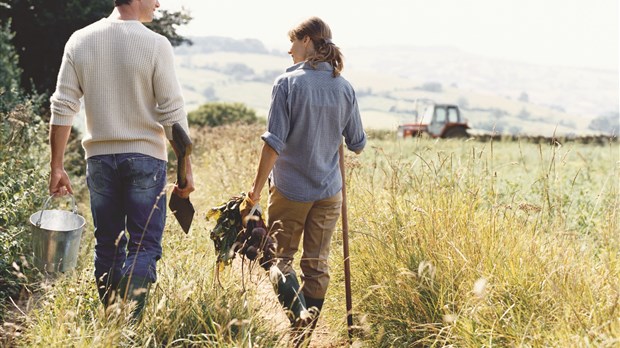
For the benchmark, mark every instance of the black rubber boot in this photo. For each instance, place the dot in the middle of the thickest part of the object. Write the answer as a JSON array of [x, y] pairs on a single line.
[[290, 297], [134, 289], [303, 331]]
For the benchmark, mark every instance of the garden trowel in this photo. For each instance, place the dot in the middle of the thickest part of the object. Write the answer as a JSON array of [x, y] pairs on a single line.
[[182, 208]]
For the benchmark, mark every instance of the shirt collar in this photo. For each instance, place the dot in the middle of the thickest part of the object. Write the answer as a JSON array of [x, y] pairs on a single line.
[[321, 66]]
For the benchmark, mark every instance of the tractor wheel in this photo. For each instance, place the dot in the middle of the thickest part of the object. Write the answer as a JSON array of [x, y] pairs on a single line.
[[456, 132]]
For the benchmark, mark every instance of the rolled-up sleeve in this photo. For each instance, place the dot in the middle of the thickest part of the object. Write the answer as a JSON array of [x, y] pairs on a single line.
[[273, 141], [354, 135], [279, 120]]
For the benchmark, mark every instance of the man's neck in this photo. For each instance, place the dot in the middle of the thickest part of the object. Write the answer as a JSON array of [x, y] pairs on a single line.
[[125, 13]]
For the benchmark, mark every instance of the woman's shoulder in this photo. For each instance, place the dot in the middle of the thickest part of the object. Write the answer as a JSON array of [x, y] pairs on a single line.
[[289, 73]]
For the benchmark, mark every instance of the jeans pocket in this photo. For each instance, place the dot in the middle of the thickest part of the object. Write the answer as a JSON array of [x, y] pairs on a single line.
[[98, 175], [147, 172]]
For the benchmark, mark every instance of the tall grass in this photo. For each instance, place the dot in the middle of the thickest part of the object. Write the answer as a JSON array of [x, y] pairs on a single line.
[[453, 243], [187, 306], [469, 244]]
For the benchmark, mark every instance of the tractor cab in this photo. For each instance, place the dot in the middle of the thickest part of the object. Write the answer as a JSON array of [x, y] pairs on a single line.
[[438, 121], [444, 121]]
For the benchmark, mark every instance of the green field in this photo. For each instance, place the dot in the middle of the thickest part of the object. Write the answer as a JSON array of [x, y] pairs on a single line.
[[453, 243]]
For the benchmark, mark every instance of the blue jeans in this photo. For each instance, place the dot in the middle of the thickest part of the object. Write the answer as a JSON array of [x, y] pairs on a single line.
[[128, 204]]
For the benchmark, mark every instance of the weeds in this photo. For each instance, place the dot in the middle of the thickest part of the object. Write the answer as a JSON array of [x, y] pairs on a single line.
[[453, 243]]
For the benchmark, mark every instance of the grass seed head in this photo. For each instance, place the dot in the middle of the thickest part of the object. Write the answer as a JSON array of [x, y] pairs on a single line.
[[480, 287]]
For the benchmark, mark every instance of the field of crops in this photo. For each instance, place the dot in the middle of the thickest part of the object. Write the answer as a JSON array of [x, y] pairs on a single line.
[[453, 243]]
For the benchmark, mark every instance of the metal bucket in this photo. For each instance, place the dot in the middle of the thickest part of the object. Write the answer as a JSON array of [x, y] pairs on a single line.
[[56, 238]]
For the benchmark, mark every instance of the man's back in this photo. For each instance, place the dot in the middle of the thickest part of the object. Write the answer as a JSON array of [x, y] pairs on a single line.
[[115, 53], [124, 72]]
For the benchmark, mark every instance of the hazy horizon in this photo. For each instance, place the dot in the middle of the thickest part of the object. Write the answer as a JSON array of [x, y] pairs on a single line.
[[574, 33]]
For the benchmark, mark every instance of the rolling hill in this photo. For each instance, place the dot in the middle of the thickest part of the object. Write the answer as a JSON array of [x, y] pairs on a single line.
[[510, 97]]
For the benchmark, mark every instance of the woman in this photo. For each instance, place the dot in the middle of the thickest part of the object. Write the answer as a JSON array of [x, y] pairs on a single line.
[[312, 108]]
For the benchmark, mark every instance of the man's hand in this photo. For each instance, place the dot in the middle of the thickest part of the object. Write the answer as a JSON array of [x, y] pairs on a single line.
[[189, 182], [59, 184], [184, 192]]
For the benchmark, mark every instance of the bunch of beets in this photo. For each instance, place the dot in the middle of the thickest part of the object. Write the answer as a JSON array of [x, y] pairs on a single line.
[[255, 241]]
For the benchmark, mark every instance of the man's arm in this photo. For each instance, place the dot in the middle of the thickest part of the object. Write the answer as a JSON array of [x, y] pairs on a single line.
[[189, 185], [59, 183], [170, 108]]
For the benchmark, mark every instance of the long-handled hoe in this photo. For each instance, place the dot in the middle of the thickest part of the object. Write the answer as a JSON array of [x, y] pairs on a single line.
[[345, 246]]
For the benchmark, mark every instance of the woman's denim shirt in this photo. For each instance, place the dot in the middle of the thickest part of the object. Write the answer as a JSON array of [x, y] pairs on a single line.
[[309, 114]]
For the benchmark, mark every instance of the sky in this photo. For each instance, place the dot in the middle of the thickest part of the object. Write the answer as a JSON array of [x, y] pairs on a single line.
[[576, 33]]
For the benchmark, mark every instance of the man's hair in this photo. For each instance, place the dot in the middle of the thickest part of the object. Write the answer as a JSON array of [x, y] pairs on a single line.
[[121, 2], [321, 36]]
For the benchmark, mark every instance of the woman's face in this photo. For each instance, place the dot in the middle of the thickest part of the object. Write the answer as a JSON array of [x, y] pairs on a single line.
[[299, 49]]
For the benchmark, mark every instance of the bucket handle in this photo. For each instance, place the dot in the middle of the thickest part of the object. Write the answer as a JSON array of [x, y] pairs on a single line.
[[74, 210]]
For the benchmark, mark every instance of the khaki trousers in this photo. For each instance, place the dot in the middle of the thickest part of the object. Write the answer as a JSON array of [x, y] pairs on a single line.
[[316, 221]]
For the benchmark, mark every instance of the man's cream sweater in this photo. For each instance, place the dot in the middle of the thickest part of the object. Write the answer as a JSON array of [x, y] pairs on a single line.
[[125, 72]]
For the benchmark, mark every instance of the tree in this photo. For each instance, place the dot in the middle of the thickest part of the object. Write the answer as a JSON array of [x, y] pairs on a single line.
[[9, 70], [608, 123], [217, 114], [524, 114], [463, 103], [515, 130], [498, 113], [432, 87], [496, 127], [166, 24], [239, 71], [42, 27]]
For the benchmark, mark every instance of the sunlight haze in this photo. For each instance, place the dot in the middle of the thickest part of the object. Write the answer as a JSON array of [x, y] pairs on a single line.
[[575, 33]]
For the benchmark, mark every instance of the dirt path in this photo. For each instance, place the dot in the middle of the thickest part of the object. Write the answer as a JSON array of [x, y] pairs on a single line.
[[272, 312]]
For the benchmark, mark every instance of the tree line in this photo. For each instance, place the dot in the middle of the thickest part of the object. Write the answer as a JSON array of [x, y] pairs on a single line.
[[41, 28]]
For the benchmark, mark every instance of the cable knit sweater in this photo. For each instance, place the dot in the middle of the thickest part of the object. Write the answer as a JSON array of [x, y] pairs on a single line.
[[125, 72]]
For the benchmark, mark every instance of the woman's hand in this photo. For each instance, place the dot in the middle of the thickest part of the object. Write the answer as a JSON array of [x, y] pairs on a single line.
[[253, 196]]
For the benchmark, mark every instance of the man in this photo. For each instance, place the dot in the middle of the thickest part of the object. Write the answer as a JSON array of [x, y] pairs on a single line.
[[125, 74]]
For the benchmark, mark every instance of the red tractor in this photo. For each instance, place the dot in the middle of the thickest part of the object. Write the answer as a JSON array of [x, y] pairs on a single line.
[[438, 121]]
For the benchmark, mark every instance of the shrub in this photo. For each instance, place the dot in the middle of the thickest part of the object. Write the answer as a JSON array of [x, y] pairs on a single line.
[[23, 135], [23, 177], [217, 114], [432, 87], [10, 73]]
